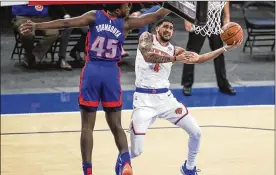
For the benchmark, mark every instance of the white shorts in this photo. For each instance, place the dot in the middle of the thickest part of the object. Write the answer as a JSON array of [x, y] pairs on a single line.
[[148, 107]]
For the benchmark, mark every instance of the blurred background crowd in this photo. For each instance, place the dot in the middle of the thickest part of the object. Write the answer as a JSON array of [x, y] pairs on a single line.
[[57, 50]]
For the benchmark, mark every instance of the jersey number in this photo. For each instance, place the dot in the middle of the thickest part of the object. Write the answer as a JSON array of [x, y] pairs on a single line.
[[156, 67], [110, 51]]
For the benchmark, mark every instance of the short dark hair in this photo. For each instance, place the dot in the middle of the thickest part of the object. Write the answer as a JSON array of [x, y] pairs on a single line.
[[112, 7], [161, 21]]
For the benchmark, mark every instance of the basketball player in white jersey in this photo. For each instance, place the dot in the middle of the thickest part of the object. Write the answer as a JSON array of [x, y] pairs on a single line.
[[153, 99]]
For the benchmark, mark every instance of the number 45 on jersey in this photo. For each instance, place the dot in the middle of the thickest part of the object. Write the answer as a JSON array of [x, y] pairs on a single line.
[[108, 51]]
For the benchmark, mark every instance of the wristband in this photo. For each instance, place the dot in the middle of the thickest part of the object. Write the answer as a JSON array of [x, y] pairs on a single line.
[[173, 59]]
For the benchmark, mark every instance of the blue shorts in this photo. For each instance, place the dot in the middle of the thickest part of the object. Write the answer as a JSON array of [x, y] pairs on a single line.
[[100, 82]]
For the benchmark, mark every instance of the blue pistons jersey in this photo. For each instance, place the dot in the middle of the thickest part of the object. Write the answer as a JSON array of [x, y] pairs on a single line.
[[105, 38], [100, 77]]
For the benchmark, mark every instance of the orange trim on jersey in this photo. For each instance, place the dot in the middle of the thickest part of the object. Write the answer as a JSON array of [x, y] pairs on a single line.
[[156, 67], [81, 100], [111, 18], [112, 104], [87, 42], [88, 103], [119, 81]]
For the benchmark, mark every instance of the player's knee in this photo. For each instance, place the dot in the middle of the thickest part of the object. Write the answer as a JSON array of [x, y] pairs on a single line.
[[116, 127], [196, 134], [86, 129], [86, 126]]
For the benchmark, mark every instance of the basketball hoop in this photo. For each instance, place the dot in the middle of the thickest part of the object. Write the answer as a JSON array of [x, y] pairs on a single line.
[[205, 15], [213, 24]]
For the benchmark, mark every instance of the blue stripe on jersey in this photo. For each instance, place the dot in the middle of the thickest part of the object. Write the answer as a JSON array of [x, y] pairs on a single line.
[[105, 38]]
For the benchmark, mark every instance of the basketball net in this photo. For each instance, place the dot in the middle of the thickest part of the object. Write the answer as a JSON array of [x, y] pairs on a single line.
[[213, 25]]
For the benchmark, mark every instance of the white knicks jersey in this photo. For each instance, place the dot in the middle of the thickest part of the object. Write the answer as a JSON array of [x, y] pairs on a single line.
[[152, 75]]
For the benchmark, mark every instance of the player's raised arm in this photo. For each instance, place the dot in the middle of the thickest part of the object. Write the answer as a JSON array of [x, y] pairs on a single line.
[[133, 22], [145, 46], [80, 21], [193, 58]]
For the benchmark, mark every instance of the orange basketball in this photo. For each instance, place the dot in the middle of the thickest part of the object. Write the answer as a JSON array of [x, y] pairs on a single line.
[[231, 32]]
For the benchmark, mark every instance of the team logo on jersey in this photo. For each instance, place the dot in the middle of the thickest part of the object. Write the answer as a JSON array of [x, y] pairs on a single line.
[[159, 52], [170, 49], [39, 7], [178, 111]]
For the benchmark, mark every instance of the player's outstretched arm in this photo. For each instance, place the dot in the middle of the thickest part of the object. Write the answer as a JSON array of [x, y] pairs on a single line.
[[193, 58], [80, 21], [133, 22], [145, 46]]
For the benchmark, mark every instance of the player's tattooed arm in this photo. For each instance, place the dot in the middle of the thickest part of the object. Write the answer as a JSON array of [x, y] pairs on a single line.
[[145, 46]]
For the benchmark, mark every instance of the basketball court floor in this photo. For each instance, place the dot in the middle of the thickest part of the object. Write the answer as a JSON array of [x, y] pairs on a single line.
[[235, 141]]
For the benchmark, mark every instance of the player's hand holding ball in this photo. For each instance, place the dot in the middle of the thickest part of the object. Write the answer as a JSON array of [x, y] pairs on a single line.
[[234, 45], [27, 27], [232, 35]]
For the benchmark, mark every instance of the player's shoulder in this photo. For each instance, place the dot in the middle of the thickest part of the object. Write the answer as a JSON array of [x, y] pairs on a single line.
[[127, 19], [90, 14], [146, 35]]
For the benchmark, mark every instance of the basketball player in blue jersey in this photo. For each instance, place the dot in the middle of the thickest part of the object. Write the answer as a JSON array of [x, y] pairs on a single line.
[[100, 77]]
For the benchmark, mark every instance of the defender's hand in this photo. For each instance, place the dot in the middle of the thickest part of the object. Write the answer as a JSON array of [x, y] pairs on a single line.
[[27, 27], [187, 56], [188, 26]]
